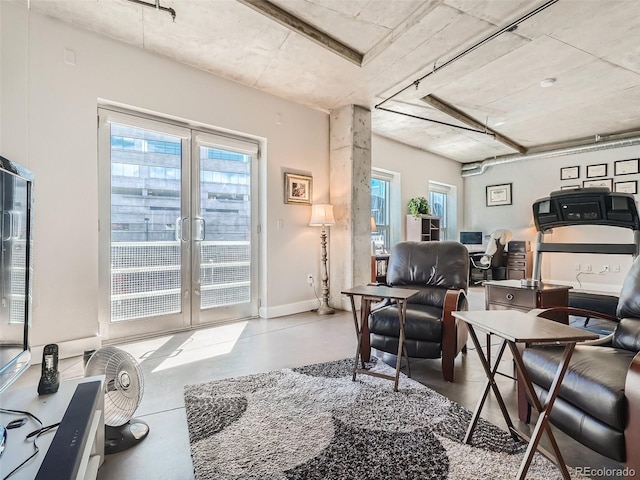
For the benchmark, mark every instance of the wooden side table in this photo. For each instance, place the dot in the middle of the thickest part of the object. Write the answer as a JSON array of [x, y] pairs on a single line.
[[510, 294], [515, 327], [376, 293]]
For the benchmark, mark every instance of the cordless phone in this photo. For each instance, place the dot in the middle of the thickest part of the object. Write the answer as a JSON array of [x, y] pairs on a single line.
[[50, 378]]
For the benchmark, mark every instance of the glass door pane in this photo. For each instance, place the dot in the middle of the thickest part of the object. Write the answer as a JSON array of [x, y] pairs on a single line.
[[148, 250], [223, 235]]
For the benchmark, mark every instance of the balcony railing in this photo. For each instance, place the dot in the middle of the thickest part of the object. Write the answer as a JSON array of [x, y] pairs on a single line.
[[146, 277]]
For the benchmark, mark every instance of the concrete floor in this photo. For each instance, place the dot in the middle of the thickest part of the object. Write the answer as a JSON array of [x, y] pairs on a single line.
[[254, 346]]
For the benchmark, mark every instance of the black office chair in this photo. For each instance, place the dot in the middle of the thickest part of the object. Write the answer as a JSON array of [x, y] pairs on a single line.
[[494, 257]]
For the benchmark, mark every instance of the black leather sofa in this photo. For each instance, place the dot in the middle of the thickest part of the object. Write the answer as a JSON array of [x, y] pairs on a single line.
[[599, 400], [440, 271]]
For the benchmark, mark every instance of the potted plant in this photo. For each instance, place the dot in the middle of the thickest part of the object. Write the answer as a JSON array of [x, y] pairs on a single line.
[[418, 206]]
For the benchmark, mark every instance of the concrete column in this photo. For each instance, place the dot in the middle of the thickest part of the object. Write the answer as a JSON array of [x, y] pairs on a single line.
[[350, 194]]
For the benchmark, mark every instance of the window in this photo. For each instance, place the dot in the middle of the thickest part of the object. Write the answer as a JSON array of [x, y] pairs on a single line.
[[385, 202], [125, 170], [380, 209], [166, 173], [216, 154], [120, 142], [232, 178], [442, 200]]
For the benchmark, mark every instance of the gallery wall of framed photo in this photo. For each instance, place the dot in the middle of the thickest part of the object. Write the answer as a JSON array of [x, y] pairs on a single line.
[[618, 176]]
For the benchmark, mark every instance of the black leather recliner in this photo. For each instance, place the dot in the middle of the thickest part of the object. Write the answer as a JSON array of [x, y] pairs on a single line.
[[440, 271], [599, 399]]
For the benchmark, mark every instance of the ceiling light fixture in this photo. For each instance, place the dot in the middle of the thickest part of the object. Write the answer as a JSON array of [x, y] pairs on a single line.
[[157, 6], [547, 82]]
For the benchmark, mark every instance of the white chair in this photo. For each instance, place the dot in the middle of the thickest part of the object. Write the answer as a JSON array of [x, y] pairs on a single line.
[[493, 257]]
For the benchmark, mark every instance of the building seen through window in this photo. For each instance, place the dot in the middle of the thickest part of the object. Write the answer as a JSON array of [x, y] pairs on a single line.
[[380, 210], [146, 180]]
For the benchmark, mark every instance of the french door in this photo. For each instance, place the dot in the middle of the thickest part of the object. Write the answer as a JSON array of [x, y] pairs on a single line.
[[177, 226]]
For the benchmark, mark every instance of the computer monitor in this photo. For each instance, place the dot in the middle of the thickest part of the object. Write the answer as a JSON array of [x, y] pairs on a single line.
[[471, 238]]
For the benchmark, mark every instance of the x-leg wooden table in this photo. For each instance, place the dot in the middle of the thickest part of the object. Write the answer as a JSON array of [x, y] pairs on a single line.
[[515, 327], [376, 293]]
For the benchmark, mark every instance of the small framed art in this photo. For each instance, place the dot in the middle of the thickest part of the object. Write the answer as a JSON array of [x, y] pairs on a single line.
[[298, 189], [599, 170], [626, 167], [627, 187], [498, 195], [569, 187], [569, 173], [603, 182]]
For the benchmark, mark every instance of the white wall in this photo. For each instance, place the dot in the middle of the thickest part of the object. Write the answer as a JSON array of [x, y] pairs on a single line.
[[534, 179], [417, 169], [48, 120]]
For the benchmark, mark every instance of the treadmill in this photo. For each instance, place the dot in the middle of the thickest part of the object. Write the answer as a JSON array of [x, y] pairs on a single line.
[[586, 206]]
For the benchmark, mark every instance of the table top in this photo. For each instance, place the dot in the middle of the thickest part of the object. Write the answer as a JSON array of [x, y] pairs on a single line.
[[382, 291], [520, 327], [516, 284]]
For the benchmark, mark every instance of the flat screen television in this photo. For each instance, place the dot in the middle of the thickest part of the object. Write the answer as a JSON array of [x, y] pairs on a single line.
[[16, 270], [471, 238]]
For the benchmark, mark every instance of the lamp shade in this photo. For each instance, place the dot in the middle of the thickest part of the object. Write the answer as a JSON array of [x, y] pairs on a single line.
[[321, 214], [374, 227]]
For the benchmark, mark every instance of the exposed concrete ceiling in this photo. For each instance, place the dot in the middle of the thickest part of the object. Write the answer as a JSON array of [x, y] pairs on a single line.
[[591, 48]]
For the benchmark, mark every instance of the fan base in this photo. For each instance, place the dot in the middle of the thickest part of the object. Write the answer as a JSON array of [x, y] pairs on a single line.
[[117, 439]]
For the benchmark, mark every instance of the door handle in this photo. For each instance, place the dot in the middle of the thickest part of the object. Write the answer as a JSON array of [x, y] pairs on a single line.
[[180, 228], [202, 230]]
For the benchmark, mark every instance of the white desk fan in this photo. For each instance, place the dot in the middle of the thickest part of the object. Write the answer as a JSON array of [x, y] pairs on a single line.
[[124, 385]]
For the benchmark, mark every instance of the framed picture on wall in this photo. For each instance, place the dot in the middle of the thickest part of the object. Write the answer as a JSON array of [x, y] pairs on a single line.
[[298, 189], [603, 182], [498, 195], [599, 170], [626, 167], [627, 187], [569, 187], [569, 173]]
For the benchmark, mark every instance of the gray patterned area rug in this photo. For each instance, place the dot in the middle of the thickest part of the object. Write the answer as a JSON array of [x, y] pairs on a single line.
[[314, 423]]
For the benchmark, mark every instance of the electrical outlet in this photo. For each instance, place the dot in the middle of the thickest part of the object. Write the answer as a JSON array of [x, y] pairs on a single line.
[[606, 269], [310, 279], [577, 267], [587, 267], [616, 268]]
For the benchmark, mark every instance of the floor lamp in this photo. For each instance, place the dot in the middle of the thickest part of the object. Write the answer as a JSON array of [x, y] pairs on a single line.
[[322, 216]]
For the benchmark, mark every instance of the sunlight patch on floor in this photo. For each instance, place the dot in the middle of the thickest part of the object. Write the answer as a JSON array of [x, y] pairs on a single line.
[[203, 344]]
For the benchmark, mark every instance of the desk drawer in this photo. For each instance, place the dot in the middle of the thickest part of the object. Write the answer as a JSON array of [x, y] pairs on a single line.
[[515, 297]]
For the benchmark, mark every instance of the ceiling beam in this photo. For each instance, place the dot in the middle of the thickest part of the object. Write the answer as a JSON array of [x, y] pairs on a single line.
[[305, 29], [403, 27], [452, 111]]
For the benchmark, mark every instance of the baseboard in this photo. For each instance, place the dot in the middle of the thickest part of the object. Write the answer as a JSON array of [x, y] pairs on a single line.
[[70, 348], [603, 288], [288, 309]]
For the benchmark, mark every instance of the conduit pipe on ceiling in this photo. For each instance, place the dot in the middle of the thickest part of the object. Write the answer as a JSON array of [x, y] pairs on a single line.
[[478, 168]]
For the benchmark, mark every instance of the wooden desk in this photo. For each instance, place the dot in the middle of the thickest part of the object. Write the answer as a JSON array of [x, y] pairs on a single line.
[[515, 328], [376, 293]]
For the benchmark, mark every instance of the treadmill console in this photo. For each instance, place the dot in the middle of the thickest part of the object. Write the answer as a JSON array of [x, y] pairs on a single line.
[[586, 206]]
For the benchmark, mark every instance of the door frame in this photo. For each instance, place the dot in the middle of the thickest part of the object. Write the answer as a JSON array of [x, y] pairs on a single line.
[[187, 318]]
